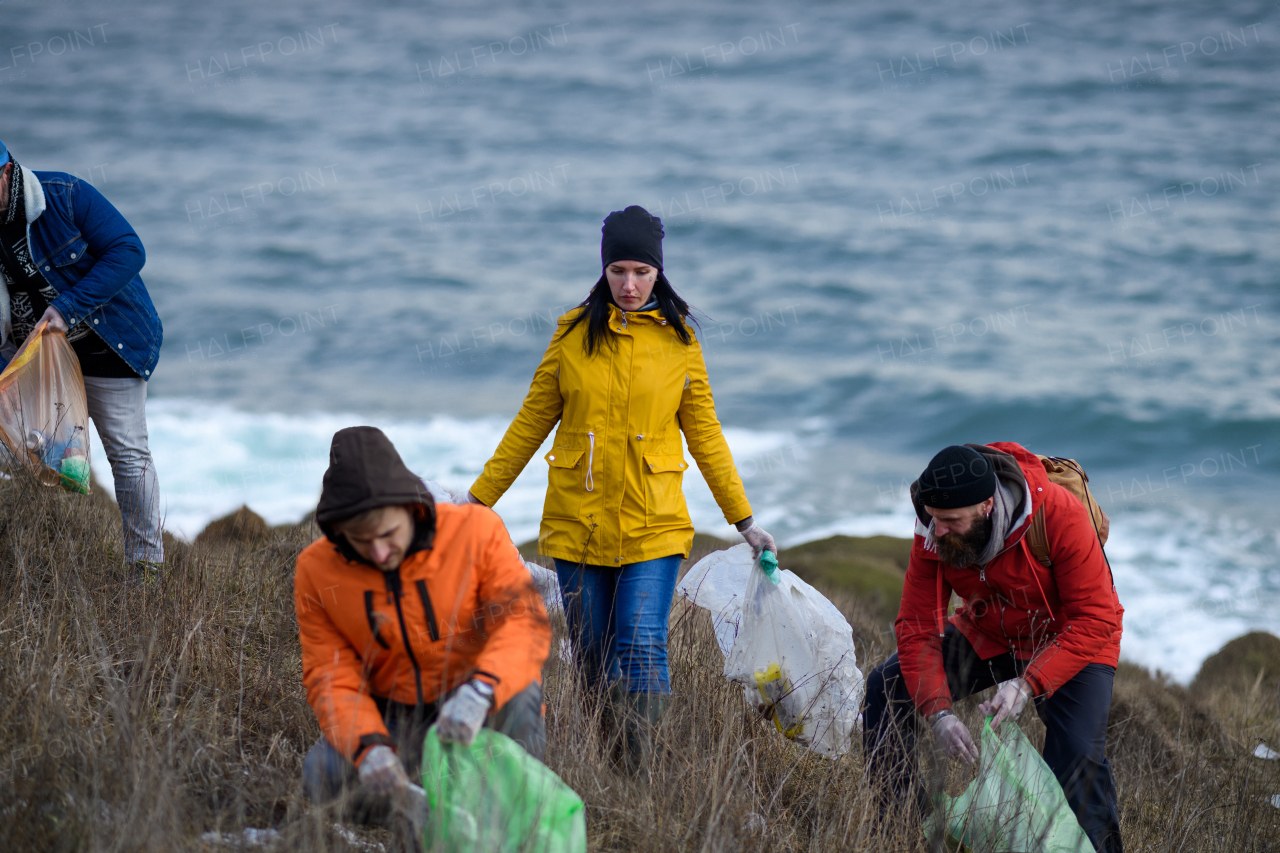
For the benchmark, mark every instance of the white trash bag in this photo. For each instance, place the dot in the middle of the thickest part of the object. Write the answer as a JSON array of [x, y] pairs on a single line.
[[786, 644], [440, 494], [548, 584]]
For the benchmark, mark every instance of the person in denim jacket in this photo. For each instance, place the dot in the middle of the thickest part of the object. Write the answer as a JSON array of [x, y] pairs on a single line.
[[69, 257]]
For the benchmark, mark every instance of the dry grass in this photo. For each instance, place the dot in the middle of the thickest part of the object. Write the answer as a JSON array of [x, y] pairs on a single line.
[[139, 720]]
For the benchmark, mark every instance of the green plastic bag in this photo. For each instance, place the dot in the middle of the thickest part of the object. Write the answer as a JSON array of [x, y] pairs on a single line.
[[1015, 805], [494, 796]]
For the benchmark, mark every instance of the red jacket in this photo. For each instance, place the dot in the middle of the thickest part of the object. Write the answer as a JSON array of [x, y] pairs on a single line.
[[1060, 619]]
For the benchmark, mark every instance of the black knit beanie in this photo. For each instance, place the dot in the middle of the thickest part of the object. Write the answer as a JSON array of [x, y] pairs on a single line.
[[633, 234], [957, 477]]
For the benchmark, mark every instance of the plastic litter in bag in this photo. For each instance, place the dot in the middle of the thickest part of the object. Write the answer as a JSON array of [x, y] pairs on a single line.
[[1014, 804], [786, 644], [44, 414], [494, 796]]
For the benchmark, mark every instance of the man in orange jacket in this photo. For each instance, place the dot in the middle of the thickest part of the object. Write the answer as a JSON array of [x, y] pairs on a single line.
[[410, 614], [1047, 634]]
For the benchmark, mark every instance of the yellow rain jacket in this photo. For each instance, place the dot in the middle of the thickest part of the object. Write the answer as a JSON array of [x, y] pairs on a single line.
[[616, 466]]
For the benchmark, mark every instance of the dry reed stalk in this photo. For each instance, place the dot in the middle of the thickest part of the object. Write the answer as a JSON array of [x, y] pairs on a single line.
[[134, 719]]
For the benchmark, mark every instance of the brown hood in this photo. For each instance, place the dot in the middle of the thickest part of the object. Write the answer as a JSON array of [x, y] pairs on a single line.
[[366, 472]]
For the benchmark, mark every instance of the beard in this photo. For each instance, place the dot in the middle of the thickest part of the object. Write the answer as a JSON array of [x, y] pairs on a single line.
[[963, 549]]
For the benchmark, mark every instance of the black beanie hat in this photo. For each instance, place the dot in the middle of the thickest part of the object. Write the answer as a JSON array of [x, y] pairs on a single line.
[[957, 477], [633, 234]]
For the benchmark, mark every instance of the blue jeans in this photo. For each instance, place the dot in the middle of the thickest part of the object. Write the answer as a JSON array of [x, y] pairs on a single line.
[[118, 408], [618, 620], [1075, 742]]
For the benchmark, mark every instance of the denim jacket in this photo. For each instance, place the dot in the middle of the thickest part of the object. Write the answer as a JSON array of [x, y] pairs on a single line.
[[90, 254]]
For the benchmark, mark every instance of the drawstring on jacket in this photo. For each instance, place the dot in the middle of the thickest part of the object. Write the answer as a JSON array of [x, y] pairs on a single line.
[[589, 480], [1026, 549], [941, 628], [1031, 560]]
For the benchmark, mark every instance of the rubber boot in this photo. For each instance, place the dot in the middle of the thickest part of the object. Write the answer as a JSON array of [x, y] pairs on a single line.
[[643, 713], [612, 713]]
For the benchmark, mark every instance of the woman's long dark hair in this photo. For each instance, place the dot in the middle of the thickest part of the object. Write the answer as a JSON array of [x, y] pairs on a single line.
[[674, 309]]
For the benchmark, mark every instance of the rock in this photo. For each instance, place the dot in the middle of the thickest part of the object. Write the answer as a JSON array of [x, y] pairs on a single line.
[[243, 526], [1241, 663]]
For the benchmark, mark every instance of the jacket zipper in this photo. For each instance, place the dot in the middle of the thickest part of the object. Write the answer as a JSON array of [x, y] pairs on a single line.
[[432, 627], [588, 480], [373, 622], [982, 576], [393, 586]]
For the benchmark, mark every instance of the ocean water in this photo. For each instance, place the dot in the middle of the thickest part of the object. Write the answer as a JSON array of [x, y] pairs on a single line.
[[902, 227]]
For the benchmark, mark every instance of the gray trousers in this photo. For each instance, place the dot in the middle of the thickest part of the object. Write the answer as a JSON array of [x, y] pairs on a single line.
[[118, 408], [326, 772]]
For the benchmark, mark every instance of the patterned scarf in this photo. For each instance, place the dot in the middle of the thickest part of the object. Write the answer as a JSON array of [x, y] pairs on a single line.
[[15, 254]]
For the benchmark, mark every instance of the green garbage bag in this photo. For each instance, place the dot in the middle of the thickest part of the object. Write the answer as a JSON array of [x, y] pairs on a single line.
[[1015, 805], [494, 796]]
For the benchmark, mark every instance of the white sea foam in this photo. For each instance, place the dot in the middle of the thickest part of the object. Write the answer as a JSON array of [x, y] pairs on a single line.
[[214, 458], [1189, 581]]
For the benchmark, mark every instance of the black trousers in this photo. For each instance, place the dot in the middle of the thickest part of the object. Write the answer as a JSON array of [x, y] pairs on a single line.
[[1075, 742], [325, 772]]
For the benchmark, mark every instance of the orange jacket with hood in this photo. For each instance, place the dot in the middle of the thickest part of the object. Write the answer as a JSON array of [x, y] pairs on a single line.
[[461, 605]]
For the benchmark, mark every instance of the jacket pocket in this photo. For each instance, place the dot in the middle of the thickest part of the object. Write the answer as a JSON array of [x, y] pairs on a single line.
[[65, 267], [663, 489], [564, 483], [74, 252]]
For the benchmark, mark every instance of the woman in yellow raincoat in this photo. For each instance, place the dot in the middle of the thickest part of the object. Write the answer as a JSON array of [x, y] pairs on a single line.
[[624, 377]]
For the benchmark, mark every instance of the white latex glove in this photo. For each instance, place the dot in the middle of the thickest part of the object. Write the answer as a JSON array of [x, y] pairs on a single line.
[[56, 322], [953, 738], [381, 771], [463, 713], [759, 539], [472, 499], [1008, 702], [413, 806]]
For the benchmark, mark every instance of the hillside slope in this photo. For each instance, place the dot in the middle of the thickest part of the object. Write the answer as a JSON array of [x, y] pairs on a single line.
[[136, 719]]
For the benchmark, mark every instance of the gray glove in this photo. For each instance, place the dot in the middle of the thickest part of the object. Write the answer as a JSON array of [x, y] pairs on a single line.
[[463, 713], [757, 537], [953, 737], [1008, 702], [413, 806], [381, 771]]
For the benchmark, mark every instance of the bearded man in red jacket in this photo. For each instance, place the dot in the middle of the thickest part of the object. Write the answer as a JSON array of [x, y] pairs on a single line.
[[1048, 635]]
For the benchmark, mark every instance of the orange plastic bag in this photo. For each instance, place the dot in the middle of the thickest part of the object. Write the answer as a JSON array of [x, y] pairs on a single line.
[[44, 414]]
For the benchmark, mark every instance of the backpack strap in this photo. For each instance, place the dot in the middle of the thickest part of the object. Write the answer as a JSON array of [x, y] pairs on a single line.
[[1038, 539]]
